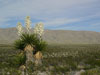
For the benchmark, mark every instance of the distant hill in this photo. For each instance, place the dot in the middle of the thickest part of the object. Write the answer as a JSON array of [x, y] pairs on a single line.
[[8, 35]]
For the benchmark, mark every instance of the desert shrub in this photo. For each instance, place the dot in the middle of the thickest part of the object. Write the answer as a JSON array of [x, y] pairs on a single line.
[[18, 60], [92, 72]]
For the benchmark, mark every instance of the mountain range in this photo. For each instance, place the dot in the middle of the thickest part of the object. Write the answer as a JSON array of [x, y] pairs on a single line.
[[9, 35]]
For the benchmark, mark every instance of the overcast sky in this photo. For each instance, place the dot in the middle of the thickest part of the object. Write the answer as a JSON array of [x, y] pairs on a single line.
[[55, 14]]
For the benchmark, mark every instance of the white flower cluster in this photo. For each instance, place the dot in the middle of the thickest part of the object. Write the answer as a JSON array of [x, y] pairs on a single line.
[[28, 23], [39, 29], [19, 28]]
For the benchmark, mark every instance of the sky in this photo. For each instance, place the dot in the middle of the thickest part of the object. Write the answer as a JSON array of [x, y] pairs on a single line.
[[81, 15]]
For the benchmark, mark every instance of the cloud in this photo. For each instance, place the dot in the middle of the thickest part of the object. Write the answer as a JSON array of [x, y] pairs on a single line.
[[51, 12], [96, 24], [60, 21]]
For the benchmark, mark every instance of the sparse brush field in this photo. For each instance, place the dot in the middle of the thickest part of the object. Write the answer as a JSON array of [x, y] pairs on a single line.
[[57, 60]]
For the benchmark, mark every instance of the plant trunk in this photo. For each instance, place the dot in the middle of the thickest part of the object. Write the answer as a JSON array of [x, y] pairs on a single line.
[[29, 54], [38, 58]]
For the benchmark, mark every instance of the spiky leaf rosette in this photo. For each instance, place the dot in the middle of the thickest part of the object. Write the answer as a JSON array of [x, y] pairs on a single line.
[[30, 39], [19, 44], [26, 39], [41, 46]]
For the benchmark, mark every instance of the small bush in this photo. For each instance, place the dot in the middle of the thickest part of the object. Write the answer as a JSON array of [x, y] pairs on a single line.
[[92, 72], [18, 60]]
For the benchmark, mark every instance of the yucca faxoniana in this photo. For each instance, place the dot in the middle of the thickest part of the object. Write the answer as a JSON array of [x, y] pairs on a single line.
[[30, 39], [31, 43]]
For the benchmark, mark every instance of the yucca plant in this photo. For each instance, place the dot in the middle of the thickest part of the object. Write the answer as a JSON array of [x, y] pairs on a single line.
[[32, 45], [29, 42]]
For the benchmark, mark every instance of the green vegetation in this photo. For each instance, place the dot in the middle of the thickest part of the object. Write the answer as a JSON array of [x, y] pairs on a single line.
[[56, 59], [92, 72], [29, 39]]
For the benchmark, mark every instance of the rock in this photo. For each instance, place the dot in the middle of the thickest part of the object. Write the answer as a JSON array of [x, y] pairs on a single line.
[[79, 72], [8, 73], [42, 73], [80, 66], [51, 67], [22, 67]]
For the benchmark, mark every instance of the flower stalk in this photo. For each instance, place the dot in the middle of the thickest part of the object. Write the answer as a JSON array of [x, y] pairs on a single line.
[[39, 29], [19, 28], [28, 23]]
